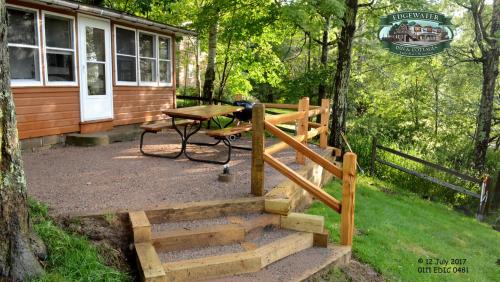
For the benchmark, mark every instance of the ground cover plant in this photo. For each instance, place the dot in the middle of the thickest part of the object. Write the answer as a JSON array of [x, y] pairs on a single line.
[[395, 229], [71, 257]]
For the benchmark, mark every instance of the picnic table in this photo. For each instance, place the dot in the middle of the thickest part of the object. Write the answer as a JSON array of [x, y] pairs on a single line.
[[190, 118]]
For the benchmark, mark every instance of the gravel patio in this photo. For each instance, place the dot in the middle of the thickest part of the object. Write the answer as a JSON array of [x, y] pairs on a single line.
[[73, 180]]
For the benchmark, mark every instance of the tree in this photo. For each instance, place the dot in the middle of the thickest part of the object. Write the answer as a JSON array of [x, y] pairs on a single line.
[[208, 85], [316, 19], [489, 48], [17, 260], [341, 77]]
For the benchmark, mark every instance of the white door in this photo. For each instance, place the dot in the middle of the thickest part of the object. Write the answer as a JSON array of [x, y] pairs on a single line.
[[96, 89]]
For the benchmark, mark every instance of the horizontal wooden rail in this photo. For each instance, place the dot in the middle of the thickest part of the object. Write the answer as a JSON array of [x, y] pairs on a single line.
[[429, 178], [303, 149], [314, 125], [317, 111], [433, 165], [304, 183], [284, 118], [282, 145], [286, 106]]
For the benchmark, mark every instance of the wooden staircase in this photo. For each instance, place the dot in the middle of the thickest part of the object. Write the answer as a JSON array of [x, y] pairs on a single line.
[[209, 240]]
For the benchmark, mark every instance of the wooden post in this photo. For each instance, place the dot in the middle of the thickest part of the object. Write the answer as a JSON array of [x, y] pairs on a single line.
[[348, 197], [325, 117], [258, 140], [486, 188], [303, 127], [374, 156]]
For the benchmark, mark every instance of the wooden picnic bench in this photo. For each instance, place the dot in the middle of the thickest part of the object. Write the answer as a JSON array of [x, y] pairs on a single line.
[[157, 126], [229, 131], [191, 118]]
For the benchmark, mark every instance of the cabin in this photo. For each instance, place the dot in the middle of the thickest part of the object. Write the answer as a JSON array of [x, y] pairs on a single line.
[[78, 68]]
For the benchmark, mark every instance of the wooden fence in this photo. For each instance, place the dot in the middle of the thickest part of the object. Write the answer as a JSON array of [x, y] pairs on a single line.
[[484, 184], [262, 155]]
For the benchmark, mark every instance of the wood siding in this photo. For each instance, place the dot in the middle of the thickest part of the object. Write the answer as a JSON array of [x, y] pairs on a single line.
[[139, 104], [43, 111]]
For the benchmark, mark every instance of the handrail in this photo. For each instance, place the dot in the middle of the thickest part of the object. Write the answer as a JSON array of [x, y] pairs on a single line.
[[286, 106], [317, 111], [262, 155], [299, 138], [283, 118], [313, 156], [304, 183]]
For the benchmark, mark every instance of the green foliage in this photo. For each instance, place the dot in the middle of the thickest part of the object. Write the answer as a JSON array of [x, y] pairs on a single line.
[[71, 257], [395, 228], [424, 106]]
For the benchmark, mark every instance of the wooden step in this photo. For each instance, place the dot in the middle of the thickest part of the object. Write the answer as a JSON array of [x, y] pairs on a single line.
[[182, 239], [303, 222], [141, 228], [207, 209], [237, 263], [284, 247], [213, 235], [150, 266], [308, 265], [212, 267]]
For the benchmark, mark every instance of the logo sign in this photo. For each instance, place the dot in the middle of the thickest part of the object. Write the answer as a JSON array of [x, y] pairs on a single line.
[[415, 34]]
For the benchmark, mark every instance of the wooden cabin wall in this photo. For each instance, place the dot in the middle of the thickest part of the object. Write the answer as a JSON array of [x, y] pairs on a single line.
[[134, 104], [43, 111], [53, 110]]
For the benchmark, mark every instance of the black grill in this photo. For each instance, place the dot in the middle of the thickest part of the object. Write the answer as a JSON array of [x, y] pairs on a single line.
[[246, 114]]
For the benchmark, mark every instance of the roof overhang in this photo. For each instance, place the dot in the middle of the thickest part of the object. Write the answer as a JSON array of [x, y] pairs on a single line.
[[114, 15]]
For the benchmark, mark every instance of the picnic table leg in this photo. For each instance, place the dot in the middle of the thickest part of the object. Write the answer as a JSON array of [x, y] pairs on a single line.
[[202, 143], [186, 141], [168, 156]]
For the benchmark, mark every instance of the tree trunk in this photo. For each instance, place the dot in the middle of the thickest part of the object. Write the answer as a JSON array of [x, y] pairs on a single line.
[[226, 69], [208, 86], [436, 110], [17, 260], [490, 50], [341, 78], [324, 59], [197, 56], [485, 114], [309, 53]]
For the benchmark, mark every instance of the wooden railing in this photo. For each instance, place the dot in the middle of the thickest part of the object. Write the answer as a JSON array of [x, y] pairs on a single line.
[[485, 184], [304, 132]]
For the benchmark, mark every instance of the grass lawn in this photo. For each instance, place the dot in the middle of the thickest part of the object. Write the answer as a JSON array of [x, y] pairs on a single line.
[[397, 232], [71, 257]]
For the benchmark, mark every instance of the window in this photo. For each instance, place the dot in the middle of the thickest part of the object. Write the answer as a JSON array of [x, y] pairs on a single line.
[[96, 61], [147, 58], [164, 61], [24, 46], [59, 49], [142, 58], [126, 56]]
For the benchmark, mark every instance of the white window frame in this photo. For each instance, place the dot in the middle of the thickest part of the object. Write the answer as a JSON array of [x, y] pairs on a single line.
[[75, 72], [138, 56], [147, 83], [163, 60], [29, 82], [136, 46]]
